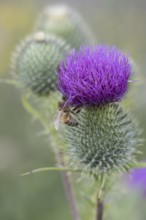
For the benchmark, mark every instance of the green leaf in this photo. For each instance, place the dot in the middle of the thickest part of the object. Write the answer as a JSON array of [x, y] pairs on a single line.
[[44, 169], [11, 82]]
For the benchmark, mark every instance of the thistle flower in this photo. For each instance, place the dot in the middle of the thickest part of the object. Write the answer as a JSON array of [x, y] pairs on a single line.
[[138, 180], [94, 76], [106, 139], [35, 60], [65, 22]]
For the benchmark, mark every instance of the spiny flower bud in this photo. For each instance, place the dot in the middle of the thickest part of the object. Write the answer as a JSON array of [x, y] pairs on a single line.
[[105, 139], [35, 60], [94, 76], [65, 22]]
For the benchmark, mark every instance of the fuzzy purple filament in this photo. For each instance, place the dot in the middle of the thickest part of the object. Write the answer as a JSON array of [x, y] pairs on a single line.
[[94, 76]]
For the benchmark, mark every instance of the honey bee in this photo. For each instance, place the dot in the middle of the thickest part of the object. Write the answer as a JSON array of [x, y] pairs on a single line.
[[65, 113]]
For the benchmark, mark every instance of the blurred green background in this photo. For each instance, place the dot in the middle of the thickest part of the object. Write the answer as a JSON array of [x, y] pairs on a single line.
[[40, 196]]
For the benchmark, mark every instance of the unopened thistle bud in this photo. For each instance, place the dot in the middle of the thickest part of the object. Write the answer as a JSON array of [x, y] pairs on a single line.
[[65, 22], [35, 60], [105, 138]]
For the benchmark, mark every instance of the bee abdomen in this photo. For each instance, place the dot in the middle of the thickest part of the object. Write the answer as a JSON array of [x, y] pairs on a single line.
[[69, 120]]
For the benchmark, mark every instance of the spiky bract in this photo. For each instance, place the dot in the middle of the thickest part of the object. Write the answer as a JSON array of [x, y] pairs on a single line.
[[94, 76], [106, 139], [66, 23], [35, 60]]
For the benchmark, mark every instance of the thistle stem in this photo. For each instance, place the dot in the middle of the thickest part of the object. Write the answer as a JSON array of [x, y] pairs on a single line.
[[100, 208], [67, 187], [100, 200]]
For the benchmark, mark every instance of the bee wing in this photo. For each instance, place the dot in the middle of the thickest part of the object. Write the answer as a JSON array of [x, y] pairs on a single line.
[[57, 121]]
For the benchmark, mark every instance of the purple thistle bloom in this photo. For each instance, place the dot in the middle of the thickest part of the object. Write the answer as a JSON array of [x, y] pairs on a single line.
[[94, 76], [138, 179]]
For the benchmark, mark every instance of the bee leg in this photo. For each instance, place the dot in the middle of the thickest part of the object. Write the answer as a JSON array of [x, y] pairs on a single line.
[[64, 98], [76, 110]]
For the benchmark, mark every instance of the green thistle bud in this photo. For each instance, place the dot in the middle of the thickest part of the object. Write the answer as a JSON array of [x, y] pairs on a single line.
[[66, 23], [35, 60], [105, 140]]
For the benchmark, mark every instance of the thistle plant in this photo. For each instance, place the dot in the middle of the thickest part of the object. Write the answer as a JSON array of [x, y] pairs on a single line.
[[67, 23], [106, 138], [92, 82]]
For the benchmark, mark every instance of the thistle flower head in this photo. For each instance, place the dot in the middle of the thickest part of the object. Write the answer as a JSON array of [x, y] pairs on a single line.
[[105, 140], [94, 76], [65, 22], [35, 61]]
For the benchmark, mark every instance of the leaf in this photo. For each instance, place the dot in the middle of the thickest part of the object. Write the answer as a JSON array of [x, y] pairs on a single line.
[[11, 82], [44, 169]]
